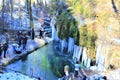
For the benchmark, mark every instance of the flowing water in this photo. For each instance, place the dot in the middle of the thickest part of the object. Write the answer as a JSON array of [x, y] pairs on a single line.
[[42, 63]]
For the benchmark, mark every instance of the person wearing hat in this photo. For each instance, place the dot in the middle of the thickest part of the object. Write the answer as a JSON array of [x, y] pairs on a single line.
[[67, 75], [66, 70]]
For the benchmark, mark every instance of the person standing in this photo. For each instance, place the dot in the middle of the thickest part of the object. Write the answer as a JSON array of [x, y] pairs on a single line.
[[5, 47], [19, 33], [24, 40], [77, 67], [32, 34], [0, 50], [41, 33], [7, 36], [66, 71], [20, 39]]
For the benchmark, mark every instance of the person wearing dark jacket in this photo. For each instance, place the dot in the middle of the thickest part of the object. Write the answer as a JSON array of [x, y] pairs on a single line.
[[20, 39], [32, 34], [40, 33], [5, 47], [77, 67], [0, 49], [24, 41]]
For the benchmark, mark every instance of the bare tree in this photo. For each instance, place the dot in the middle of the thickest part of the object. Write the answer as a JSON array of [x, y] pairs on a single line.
[[30, 14], [27, 5], [19, 14], [31, 19], [11, 12], [3, 16]]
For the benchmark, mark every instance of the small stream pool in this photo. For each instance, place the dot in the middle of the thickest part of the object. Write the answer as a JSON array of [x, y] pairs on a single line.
[[43, 63]]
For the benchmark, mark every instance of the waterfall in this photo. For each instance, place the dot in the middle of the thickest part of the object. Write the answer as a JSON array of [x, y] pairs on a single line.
[[80, 52], [100, 66], [70, 45], [100, 59], [84, 56], [98, 53], [77, 52], [54, 31], [63, 44], [88, 62], [53, 28], [44, 2]]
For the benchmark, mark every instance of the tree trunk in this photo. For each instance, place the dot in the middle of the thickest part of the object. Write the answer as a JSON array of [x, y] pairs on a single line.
[[3, 16], [27, 5], [19, 14], [11, 11], [31, 18]]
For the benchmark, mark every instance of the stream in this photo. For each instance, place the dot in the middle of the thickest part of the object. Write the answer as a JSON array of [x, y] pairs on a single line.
[[43, 63]]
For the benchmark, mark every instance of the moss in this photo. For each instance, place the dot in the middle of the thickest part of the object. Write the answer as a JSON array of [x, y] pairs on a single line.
[[44, 63], [68, 27], [83, 36], [66, 24], [57, 66]]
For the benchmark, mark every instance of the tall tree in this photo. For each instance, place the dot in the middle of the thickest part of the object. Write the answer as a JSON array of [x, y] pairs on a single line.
[[3, 16], [31, 20], [27, 5], [30, 14], [19, 14], [11, 11]]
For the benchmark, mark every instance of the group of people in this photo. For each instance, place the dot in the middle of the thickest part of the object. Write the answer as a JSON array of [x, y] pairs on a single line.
[[72, 76], [22, 39], [3, 48], [4, 43], [76, 74]]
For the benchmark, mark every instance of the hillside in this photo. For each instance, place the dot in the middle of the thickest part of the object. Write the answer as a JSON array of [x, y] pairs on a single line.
[[93, 24], [108, 30]]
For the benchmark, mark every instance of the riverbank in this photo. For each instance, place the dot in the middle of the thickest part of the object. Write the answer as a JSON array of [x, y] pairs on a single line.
[[15, 76], [31, 46]]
